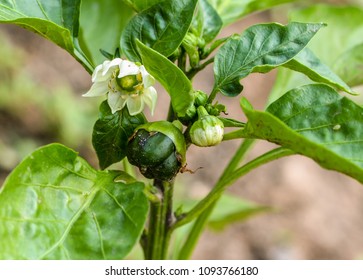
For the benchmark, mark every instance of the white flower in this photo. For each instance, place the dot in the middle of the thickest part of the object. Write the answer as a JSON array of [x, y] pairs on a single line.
[[125, 83]]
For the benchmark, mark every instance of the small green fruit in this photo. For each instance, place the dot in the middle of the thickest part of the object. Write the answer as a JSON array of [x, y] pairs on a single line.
[[158, 149]]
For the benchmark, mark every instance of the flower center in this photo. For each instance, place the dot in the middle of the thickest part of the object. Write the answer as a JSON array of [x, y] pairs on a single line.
[[131, 83]]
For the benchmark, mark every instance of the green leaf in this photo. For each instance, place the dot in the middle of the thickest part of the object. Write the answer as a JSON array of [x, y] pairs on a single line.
[[230, 209], [162, 27], [57, 21], [170, 76], [307, 63], [232, 10], [101, 25], [342, 34], [54, 205], [350, 64], [111, 133], [227, 122], [140, 5], [260, 48], [207, 22], [315, 121]]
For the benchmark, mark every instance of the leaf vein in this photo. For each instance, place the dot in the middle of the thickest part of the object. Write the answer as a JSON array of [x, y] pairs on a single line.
[[42, 9]]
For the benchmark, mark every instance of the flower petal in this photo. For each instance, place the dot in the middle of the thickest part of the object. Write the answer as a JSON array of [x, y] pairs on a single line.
[[97, 73], [116, 101], [150, 97], [147, 79], [111, 66], [97, 89], [128, 68], [135, 104]]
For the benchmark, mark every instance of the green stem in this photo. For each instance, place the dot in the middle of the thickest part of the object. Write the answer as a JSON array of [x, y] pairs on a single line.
[[171, 114], [82, 58], [153, 238], [192, 72], [159, 222], [197, 229], [169, 217], [194, 234], [212, 95], [228, 180], [213, 46], [237, 158], [182, 61]]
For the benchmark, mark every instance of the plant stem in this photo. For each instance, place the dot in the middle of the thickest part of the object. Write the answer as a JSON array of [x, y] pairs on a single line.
[[225, 181], [171, 114], [194, 234], [192, 72], [201, 221], [153, 238], [212, 95], [214, 45], [205, 207], [159, 222], [169, 216]]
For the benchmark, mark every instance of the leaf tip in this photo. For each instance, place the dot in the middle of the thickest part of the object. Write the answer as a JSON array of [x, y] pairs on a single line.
[[245, 104]]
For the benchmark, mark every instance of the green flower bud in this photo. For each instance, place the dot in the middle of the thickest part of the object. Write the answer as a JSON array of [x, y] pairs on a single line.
[[189, 116], [190, 44], [207, 130], [215, 109], [201, 98], [158, 149]]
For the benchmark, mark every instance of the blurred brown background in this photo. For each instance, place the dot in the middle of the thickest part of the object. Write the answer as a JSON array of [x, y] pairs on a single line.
[[318, 214]]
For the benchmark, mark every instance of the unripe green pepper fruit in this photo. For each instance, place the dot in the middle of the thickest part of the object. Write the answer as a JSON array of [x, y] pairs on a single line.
[[158, 149], [207, 130]]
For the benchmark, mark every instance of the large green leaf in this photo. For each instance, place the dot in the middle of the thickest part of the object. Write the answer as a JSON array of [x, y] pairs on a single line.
[[140, 5], [162, 27], [260, 48], [54, 205], [307, 63], [342, 35], [232, 10], [207, 21], [170, 76], [101, 25], [315, 121], [55, 20], [111, 133]]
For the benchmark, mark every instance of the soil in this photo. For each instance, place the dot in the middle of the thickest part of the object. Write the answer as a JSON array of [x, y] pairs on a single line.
[[317, 214]]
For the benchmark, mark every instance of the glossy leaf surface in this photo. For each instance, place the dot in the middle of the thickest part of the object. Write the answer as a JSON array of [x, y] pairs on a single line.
[[315, 121], [54, 205], [260, 48], [101, 25], [207, 22], [111, 133], [170, 76], [334, 45], [307, 63], [140, 5], [57, 21], [162, 27]]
